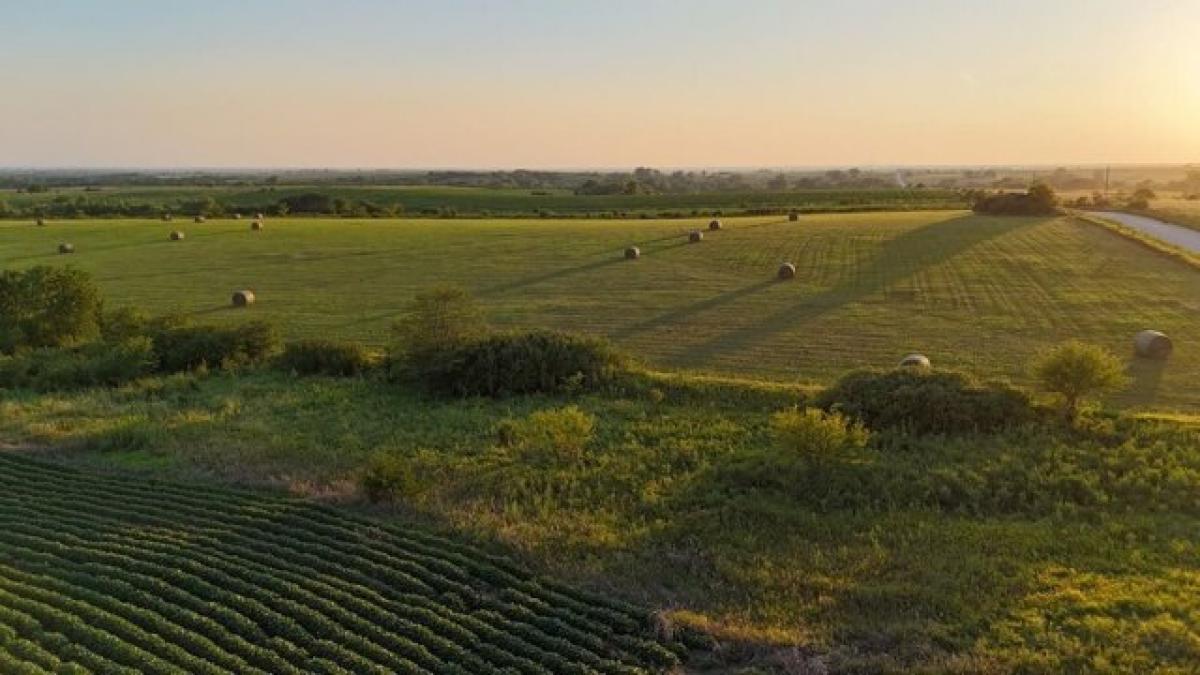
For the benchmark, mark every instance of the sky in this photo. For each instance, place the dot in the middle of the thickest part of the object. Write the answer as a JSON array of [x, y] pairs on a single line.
[[597, 83]]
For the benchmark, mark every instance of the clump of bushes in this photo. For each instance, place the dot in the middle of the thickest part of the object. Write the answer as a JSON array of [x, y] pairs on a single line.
[[1039, 200], [325, 357], [921, 401], [522, 363], [444, 343], [90, 365], [187, 347], [1075, 371], [814, 436], [47, 307]]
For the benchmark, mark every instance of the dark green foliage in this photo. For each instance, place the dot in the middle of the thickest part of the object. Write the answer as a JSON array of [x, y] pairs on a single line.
[[47, 307], [1040, 200], [926, 402], [521, 363], [124, 324], [91, 365], [186, 347], [325, 357]]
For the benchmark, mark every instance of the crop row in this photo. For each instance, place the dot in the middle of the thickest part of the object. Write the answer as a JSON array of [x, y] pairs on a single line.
[[170, 578]]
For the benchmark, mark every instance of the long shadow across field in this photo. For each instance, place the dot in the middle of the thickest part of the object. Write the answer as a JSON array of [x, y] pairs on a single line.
[[613, 259], [898, 259]]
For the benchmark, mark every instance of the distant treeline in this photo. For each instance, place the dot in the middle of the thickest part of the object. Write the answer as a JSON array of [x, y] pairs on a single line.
[[452, 202]]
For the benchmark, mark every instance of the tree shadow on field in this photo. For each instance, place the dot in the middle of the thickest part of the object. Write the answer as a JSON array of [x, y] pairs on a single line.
[[1145, 377], [898, 259], [682, 313], [616, 258]]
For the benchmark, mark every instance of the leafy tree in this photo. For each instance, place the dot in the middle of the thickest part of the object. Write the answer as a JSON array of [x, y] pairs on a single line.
[[1075, 371], [439, 319], [47, 307]]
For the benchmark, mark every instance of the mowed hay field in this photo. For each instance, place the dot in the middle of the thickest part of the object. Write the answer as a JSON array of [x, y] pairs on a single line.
[[980, 293]]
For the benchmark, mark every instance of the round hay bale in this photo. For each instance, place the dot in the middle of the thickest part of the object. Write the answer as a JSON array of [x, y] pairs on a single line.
[[256, 225], [1152, 344], [915, 361], [166, 217], [198, 219], [259, 217], [176, 236], [696, 237], [793, 216], [714, 225], [243, 298], [41, 222], [633, 253], [237, 216], [66, 248], [787, 271]]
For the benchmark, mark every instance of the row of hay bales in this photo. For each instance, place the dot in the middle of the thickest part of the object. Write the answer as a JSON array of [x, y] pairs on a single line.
[[786, 270]]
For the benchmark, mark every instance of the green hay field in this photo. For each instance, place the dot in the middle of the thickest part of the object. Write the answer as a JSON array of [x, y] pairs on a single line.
[[972, 292]]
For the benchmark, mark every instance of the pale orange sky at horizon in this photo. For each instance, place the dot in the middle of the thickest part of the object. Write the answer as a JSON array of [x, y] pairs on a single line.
[[538, 84]]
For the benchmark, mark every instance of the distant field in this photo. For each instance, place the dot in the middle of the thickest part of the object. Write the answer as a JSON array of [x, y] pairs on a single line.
[[433, 200], [104, 574], [1177, 210], [974, 292]]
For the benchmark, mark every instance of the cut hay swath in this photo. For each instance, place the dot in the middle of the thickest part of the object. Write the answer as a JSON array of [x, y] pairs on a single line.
[[117, 574]]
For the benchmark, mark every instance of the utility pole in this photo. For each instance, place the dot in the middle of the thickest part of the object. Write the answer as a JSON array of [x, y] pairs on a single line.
[[1107, 170]]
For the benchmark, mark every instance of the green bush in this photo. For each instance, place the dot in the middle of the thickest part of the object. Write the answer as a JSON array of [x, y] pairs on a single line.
[[814, 436], [47, 307], [91, 365], [1040, 200], [926, 402], [521, 363], [1075, 371], [124, 324], [549, 436], [325, 357], [185, 347]]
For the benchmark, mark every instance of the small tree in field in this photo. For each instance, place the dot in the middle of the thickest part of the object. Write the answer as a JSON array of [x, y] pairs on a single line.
[[47, 307], [439, 319], [1075, 371]]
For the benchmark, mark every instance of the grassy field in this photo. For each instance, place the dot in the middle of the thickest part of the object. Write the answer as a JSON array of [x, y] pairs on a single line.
[[974, 292], [104, 574], [1176, 210], [440, 200]]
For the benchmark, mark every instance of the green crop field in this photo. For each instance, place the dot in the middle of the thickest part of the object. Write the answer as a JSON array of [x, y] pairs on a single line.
[[974, 292], [111, 575]]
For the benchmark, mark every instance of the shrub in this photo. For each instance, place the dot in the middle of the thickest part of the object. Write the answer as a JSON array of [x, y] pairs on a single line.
[[47, 307], [325, 357], [813, 435], [923, 401], [91, 365], [1075, 371], [123, 324], [185, 347], [521, 363], [442, 318], [384, 477], [549, 436]]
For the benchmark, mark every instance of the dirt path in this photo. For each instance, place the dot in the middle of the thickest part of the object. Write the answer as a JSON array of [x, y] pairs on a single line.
[[1172, 234]]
